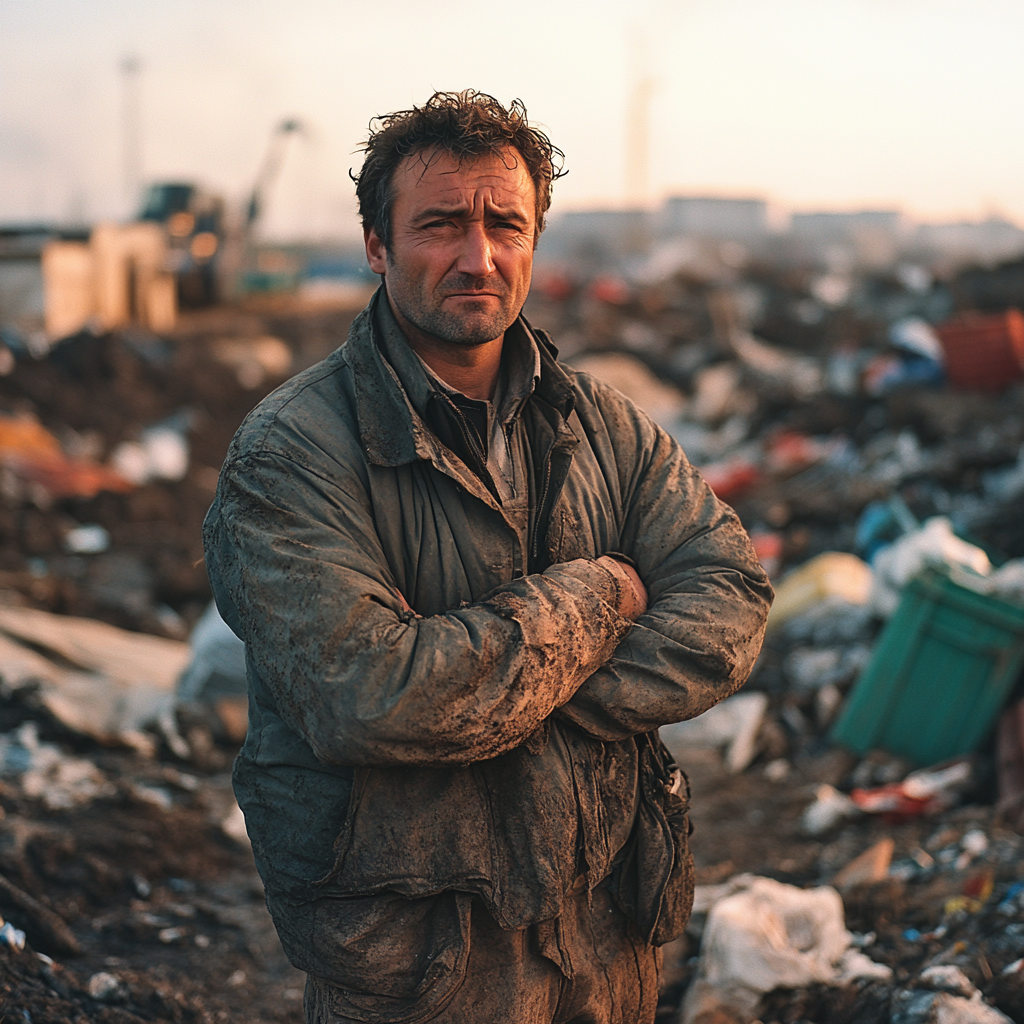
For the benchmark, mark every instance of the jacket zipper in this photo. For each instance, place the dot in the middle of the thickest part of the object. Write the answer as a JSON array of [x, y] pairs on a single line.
[[543, 497], [506, 433]]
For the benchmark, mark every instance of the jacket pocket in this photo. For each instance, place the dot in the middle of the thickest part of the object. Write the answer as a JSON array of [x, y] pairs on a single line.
[[653, 882], [677, 898], [385, 959]]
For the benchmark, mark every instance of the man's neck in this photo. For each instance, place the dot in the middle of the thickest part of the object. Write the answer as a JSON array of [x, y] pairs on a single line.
[[471, 369]]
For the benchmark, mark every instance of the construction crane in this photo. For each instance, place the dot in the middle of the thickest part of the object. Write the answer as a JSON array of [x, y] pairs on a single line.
[[269, 170], [210, 251]]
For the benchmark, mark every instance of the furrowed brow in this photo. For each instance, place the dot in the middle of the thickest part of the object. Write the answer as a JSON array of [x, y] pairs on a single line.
[[509, 213], [440, 213]]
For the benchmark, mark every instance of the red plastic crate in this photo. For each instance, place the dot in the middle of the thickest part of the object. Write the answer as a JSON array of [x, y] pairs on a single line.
[[984, 352]]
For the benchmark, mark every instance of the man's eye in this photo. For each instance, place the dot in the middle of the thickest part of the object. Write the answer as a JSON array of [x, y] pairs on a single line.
[[438, 224]]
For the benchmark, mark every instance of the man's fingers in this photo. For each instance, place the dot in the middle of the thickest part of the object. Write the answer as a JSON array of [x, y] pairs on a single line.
[[638, 586], [633, 594]]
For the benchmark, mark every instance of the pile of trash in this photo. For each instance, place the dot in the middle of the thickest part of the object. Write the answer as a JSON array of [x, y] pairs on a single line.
[[110, 448]]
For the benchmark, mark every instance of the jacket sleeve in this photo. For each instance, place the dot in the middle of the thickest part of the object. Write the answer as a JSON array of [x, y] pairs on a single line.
[[708, 595], [299, 574]]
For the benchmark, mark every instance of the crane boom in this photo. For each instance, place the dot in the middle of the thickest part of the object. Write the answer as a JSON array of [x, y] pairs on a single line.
[[269, 169]]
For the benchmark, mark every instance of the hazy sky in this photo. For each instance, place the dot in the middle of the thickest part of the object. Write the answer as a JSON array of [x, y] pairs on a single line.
[[815, 104]]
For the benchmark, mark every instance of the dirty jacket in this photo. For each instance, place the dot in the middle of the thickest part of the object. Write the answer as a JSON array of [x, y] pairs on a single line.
[[494, 745]]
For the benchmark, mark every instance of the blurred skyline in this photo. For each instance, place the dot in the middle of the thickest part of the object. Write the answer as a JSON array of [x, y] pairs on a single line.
[[814, 104]]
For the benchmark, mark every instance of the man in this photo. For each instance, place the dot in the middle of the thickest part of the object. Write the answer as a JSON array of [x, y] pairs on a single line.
[[471, 584]]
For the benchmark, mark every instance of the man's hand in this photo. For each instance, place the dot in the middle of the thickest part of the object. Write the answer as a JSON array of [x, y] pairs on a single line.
[[632, 592]]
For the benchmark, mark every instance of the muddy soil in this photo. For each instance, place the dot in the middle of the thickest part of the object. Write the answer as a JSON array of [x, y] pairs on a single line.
[[156, 895]]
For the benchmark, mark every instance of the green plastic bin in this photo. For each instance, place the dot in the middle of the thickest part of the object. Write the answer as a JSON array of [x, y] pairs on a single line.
[[940, 674]]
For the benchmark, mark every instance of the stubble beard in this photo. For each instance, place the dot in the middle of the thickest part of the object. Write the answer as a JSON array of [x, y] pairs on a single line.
[[467, 329]]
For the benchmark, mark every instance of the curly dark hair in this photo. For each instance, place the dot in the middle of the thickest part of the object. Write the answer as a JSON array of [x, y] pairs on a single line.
[[464, 124]]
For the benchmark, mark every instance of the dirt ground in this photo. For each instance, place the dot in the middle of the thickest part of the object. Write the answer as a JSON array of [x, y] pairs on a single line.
[[156, 895], [153, 889]]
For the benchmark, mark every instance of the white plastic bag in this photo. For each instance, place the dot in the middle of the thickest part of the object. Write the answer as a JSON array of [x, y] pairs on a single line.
[[767, 936]]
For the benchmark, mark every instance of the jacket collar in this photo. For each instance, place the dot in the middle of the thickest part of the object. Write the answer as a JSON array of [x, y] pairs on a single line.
[[391, 430]]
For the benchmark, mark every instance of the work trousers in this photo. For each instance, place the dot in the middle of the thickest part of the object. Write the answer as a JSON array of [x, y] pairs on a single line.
[[588, 967]]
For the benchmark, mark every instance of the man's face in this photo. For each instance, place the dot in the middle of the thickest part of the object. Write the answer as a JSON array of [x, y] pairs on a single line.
[[462, 237]]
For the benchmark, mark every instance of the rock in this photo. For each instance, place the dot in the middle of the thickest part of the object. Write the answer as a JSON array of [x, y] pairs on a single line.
[[946, 978], [94, 678], [870, 866], [46, 773], [916, 1007], [1006, 990], [13, 938], [105, 988]]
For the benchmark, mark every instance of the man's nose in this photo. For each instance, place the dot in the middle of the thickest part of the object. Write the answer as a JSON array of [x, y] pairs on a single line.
[[476, 257]]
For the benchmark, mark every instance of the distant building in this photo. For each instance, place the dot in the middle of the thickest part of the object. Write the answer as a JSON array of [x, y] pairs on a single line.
[[596, 238], [841, 227], [55, 282], [870, 239], [878, 237], [603, 224], [986, 242], [22, 293], [602, 238], [738, 220]]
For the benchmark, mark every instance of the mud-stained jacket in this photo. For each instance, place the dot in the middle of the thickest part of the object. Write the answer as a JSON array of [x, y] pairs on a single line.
[[496, 744]]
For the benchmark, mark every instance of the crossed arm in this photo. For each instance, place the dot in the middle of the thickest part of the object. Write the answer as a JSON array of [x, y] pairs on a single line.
[[632, 595], [366, 682]]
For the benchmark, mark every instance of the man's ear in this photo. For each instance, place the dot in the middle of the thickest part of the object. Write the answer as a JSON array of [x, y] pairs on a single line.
[[376, 253]]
